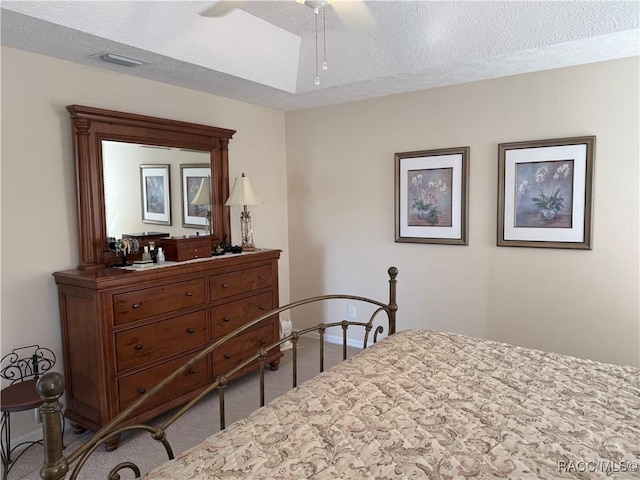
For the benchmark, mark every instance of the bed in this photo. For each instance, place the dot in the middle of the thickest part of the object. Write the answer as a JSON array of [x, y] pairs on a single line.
[[421, 404]]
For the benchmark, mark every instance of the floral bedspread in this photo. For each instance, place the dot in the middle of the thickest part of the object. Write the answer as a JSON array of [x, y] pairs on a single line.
[[424, 404]]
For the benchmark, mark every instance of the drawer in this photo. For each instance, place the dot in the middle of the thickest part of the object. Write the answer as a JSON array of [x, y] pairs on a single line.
[[229, 316], [142, 345], [148, 302], [242, 281], [236, 351], [132, 387]]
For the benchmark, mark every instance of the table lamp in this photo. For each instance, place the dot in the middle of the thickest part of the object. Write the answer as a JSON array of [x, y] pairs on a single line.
[[243, 194]]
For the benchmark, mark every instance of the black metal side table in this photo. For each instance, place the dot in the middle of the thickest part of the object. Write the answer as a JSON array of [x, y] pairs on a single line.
[[22, 367]]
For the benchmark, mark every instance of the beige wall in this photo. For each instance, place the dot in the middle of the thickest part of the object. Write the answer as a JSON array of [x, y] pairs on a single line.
[[336, 178], [39, 226], [340, 162]]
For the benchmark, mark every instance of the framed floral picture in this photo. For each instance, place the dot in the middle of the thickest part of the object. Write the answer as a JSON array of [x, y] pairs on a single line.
[[155, 194], [431, 196], [545, 193], [195, 214]]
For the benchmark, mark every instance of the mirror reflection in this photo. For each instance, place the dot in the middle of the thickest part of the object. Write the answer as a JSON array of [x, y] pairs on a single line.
[[150, 188]]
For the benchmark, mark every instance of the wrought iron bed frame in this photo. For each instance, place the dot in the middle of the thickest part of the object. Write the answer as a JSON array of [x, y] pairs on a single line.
[[51, 387]]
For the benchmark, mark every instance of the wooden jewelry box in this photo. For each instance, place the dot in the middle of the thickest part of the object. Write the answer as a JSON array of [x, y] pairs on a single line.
[[179, 249]]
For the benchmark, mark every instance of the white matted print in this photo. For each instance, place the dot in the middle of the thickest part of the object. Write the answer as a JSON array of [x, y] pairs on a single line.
[[545, 193], [155, 194], [431, 196], [193, 216]]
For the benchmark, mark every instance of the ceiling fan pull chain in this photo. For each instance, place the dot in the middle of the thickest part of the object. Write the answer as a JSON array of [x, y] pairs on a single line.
[[324, 37], [315, 16]]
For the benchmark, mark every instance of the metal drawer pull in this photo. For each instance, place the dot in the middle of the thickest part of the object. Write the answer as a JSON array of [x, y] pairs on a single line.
[[262, 307], [227, 356], [190, 330], [261, 277], [226, 319], [141, 391], [225, 285], [192, 370], [189, 294], [139, 346], [137, 305]]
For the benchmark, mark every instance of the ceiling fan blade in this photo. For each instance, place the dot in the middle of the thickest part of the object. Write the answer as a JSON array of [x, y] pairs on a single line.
[[221, 8], [355, 15]]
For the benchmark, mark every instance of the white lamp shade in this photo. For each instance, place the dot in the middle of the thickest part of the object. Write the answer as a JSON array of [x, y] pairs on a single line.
[[243, 193], [203, 195]]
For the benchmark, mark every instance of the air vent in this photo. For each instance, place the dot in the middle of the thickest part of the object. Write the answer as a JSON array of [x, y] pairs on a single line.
[[120, 59]]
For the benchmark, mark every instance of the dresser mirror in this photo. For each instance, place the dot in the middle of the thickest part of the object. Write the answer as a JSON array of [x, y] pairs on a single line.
[[113, 153], [145, 185]]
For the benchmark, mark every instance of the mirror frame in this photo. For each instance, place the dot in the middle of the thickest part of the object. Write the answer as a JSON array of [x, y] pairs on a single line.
[[93, 125]]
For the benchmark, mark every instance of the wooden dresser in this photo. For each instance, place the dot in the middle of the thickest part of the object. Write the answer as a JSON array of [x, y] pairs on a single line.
[[123, 331]]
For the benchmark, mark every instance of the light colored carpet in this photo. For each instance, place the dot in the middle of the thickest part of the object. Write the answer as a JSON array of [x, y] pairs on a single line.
[[242, 397]]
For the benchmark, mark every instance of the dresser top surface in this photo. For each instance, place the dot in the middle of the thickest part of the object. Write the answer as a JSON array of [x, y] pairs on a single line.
[[166, 269]]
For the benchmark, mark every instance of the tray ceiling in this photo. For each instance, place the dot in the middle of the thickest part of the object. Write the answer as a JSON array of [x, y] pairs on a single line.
[[263, 52]]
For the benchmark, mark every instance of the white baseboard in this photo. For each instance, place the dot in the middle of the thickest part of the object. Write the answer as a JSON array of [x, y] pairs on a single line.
[[32, 436], [337, 340]]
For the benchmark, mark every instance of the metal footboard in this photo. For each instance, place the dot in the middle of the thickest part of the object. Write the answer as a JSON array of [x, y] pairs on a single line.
[[51, 387]]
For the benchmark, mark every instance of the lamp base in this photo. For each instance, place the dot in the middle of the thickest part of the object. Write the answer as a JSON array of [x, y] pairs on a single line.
[[246, 232]]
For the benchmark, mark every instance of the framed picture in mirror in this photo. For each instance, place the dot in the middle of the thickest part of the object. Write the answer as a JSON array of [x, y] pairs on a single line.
[[196, 195], [155, 194]]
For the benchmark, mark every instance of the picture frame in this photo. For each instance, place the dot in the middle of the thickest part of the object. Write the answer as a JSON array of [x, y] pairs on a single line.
[[431, 196], [155, 194], [192, 175], [545, 193]]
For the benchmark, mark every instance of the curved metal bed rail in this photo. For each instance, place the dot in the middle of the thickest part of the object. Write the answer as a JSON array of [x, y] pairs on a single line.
[[51, 387]]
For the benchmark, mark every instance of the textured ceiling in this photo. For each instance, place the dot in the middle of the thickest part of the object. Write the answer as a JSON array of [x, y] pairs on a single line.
[[263, 52]]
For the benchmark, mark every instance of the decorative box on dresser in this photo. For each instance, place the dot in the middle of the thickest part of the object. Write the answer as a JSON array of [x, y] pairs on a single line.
[[123, 331]]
